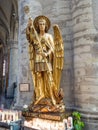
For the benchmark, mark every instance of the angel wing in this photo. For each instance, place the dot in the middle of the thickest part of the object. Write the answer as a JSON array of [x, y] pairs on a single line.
[[58, 56]]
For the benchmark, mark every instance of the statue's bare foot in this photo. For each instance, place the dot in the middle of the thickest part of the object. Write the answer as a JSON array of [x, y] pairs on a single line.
[[53, 101], [38, 100]]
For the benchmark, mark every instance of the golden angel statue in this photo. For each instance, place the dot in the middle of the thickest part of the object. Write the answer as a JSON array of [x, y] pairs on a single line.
[[46, 59]]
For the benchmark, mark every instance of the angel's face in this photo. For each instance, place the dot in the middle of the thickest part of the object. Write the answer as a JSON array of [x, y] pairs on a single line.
[[42, 25]]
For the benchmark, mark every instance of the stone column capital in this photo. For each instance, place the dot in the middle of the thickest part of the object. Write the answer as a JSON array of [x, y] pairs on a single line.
[[12, 44]]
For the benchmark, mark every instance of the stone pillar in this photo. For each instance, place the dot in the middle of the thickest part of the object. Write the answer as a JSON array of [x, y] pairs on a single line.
[[13, 66], [26, 9], [85, 62]]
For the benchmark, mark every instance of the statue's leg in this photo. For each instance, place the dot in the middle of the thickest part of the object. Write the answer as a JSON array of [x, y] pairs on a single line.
[[39, 87], [51, 87], [36, 89]]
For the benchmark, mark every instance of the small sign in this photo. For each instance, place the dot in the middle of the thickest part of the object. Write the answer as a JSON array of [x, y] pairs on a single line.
[[24, 87]]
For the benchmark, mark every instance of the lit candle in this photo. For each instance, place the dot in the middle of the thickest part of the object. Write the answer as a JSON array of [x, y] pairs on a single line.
[[14, 118], [70, 122], [2, 116]]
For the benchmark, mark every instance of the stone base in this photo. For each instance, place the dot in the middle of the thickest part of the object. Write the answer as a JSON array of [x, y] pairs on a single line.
[[56, 116], [46, 105], [45, 110], [46, 116], [46, 121], [42, 124], [49, 116]]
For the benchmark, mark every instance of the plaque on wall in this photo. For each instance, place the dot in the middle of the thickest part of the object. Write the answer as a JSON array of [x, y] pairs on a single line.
[[24, 87]]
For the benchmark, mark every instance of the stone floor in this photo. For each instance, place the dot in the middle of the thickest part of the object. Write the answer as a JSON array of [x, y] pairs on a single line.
[[3, 128], [21, 128]]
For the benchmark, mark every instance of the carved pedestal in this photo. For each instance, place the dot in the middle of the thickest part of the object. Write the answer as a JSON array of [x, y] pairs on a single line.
[[46, 120]]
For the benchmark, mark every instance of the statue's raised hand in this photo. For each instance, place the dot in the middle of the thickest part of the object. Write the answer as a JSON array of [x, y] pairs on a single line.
[[30, 22]]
